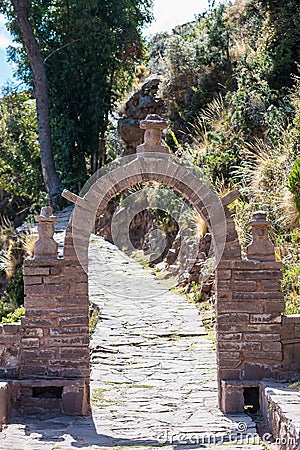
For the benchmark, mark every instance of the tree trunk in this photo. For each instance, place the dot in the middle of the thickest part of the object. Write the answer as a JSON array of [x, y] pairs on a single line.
[[51, 179]]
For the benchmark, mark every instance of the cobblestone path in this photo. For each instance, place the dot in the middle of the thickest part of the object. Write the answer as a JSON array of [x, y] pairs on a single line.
[[153, 379]]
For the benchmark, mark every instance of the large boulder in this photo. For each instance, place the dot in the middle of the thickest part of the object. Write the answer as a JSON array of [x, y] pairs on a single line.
[[143, 102]]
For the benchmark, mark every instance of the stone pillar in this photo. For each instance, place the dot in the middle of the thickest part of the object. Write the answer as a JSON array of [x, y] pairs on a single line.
[[249, 307], [54, 355]]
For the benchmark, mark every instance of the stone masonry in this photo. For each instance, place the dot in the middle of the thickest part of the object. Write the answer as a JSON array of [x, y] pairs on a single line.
[[254, 341]]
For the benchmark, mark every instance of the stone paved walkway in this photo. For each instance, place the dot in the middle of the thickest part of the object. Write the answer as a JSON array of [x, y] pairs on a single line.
[[153, 373]]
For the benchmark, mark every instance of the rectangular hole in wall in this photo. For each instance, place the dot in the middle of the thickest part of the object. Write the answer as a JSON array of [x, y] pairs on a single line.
[[251, 399], [47, 392]]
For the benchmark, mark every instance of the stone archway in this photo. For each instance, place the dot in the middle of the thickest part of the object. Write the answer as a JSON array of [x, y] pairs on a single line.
[[54, 343]]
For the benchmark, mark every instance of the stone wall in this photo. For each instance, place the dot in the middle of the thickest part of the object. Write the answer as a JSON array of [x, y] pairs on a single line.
[[55, 329], [290, 338], [249, 311], [10, 340], [52, 364]]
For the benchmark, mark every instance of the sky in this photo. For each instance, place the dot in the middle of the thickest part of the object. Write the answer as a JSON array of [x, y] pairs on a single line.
[[167, 14]]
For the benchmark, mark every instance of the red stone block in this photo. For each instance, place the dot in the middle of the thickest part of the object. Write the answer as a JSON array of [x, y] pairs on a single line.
[[272, 346], [76, 331], [32, 302], [229, 336], [254, 337], [265, 318], [74, 341], [35, 271], [30, 342], [225, 363], [248, 307], [252, 346], [230, 374], [244, 286], [74, 353], [79, 288], [275, 307], [45, 289], [32, 280], [233, 317], [72, 321]]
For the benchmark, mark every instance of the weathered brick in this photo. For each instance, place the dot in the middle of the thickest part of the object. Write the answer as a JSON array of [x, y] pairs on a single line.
[[35, 271], [224, 295], [270, 285], [32, 370], [73, 320], [262, 356], [257, 275], [44, 289], [229, 363], [229, 355], [264, 328], [232, 251], [39, 302], [40, 353], [265, 318], [55, 270], [262, 337], [33, 332], [79, 288], [72, 299], [72, 311], [241, 307], [63, 363], [32, 280], [240, 264], [69, 330], [273, 307], [30, 342], [67, 341], [233, 317], [244, 286], [37, 322], [74, 353], [257, 296], [66, 278], [252, 346], [223, 274], [232, 327], [229, 336], [11, 328], [230, 374], [73, 373], [271, 346], [297, 330]]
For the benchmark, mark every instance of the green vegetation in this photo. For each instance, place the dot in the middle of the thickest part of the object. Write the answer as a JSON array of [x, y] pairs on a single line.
[[232, 92], [21, 183], [90, 52]]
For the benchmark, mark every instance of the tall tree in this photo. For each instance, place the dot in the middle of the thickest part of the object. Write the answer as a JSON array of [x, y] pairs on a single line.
[[51, 178], [90, 51]]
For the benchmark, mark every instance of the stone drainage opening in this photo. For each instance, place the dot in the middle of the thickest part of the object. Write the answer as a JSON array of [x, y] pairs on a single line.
[[47, 392], [251, 399]]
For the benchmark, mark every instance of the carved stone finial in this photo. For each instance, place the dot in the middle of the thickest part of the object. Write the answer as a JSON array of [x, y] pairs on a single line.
[[261, 248], [153, 126], [45, 247]]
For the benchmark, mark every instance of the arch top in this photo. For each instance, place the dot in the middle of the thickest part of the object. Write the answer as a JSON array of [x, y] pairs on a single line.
[[188, 181]]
